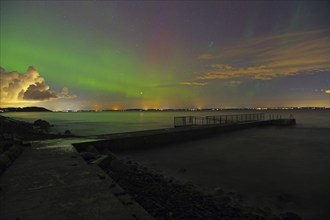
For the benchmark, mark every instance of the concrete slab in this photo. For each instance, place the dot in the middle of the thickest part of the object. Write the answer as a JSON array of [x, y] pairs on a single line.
[[52, 183]]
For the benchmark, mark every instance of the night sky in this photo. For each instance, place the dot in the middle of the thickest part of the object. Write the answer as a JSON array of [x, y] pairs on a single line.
[[164, 54]]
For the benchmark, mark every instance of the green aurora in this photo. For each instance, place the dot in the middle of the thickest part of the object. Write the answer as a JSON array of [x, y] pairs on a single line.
[[110, 60]]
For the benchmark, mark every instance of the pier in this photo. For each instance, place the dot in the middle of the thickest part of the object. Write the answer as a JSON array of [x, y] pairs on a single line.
[[186, 128], [218, 119]]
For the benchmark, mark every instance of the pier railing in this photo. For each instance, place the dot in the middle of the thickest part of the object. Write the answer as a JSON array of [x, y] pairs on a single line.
[[217, 119]]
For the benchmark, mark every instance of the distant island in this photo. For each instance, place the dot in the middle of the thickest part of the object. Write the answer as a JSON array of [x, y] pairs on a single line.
[[25, 109]]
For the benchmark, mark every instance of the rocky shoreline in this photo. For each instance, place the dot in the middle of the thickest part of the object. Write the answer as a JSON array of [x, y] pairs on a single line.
[[166, 198], [14, 137], [9, 151], [39, 130]]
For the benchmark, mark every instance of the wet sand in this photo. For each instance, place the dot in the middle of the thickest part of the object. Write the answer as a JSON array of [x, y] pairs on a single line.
[[286, 169]]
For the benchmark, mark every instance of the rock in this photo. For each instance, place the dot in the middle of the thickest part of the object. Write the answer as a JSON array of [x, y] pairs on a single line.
[[6, 144], [7, 136], [11, 155], [268, 211], [219, 192], [101, 176], [18, 149], [283, 200], [42, 124], [92, 149], [104, 151], [134, 167], [5, 162], [118, 166], [182, 170], [26, 144], [88, 156], [290, 216], [227, 199], [104, 161]]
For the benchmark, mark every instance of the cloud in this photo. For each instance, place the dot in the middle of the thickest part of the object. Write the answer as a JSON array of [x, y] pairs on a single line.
[[206, 56], [193, 83], [27, 87], [66, 94], [65, 91], [221, 71], [182, 84], [234, 83], [39, 91], [268, 57]]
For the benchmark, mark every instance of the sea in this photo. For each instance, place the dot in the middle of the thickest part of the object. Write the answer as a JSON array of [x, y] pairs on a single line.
[[108, 122], [284, 168]]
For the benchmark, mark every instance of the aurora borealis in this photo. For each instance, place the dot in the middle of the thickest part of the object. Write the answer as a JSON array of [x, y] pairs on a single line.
[[164, 54]]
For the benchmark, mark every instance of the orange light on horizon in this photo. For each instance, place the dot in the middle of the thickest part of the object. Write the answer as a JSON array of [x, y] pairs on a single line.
[[97, 108], [116, 108], [199, 106]]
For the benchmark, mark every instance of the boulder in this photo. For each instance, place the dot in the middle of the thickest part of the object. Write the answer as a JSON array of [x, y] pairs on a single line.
[[118, 166], [17, 148], [290, 216], [11, 155], [92, 149], [88, 156], [103, 159], [5, 162], [182, 170], [42, 124], [219, 192]]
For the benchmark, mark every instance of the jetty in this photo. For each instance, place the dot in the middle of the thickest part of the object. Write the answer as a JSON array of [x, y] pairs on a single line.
[[186, 128]]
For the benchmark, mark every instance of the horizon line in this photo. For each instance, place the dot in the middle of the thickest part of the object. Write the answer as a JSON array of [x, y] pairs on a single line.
[[169, 109]]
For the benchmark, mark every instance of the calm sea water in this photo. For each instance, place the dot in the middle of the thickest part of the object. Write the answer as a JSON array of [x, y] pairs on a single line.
[[91, 123], [285, 168]]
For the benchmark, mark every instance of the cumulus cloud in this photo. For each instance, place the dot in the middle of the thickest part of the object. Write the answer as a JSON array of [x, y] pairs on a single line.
[[267, 57], [30, 86], [39, 91]]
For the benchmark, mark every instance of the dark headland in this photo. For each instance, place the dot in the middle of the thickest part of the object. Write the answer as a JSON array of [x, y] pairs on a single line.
[[90, 182], [25, 109]]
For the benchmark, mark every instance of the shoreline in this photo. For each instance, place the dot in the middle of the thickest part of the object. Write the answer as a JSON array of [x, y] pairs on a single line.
[[165, 197], [139, 173]]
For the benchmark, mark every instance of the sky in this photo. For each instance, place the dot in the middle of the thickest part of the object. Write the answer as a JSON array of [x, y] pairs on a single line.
[[164, 54]]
